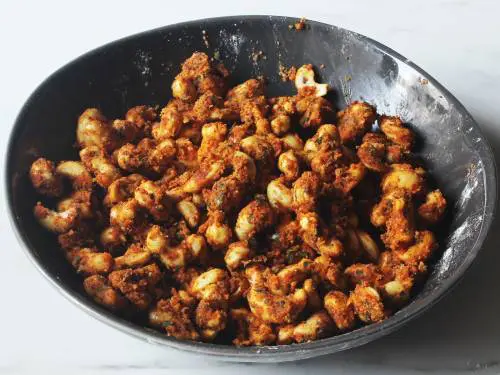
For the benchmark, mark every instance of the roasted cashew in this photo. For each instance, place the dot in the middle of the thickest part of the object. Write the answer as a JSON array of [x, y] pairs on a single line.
[[126, 215], [112, 237], [403, 176], [367, 304], [432, 210], [279, 195], [355, 120], [154, 199], [173, 316], [122, 189], [270, 307], [58, 222], [228, 192], [396, 132], [305, 83], [89, 261], [211, 318], [81, 200], [311, 233], [216, 230], [315, 327], [45, 179], [75, 171], [189, 211], [237, 253], [98, 288], [253, 218], [337, 305], [135, 256], [93, 129], [99, 165], [136, 284], [211, 285], [250, 329]]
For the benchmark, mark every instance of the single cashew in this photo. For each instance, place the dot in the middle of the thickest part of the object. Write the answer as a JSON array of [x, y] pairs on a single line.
[[58, 222], [237, 253], [432, 210], [367, 304], [304, 80], [271, 307], [98, 288], [253, 218], [317, 326], [190, 212], [211, 285], [45, 179], [279, 195], [250, 329], [135, 256], [93, 129], [337, 305], [89, 261], [75, 171], [99, 165]]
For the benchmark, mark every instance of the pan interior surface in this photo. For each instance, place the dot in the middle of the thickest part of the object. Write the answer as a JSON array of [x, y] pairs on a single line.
[[139, 70]]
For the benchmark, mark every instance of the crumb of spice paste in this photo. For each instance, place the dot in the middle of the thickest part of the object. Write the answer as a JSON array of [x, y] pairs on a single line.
[[257, 55], [300, 25], [287, 74]]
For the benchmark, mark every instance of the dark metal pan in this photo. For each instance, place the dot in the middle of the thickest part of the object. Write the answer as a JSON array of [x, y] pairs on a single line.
[[139, 69]]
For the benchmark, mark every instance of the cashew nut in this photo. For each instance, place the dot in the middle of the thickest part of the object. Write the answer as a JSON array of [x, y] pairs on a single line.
[[304, 80]]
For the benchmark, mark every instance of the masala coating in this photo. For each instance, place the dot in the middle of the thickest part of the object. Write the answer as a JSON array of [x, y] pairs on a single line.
[[231, 217]]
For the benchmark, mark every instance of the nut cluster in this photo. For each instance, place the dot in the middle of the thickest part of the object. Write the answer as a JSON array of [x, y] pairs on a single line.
[[232, 217]]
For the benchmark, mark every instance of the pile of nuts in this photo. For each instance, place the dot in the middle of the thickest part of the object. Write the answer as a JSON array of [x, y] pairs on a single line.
[[232, 217]]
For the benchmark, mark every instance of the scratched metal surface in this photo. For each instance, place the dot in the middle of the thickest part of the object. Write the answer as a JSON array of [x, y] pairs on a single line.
[[140, 69]]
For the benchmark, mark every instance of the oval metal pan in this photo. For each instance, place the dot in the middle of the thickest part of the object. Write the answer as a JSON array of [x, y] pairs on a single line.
[[139, 69]]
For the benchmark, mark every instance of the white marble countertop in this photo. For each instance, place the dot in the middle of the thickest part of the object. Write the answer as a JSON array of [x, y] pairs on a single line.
[[456, 41]]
